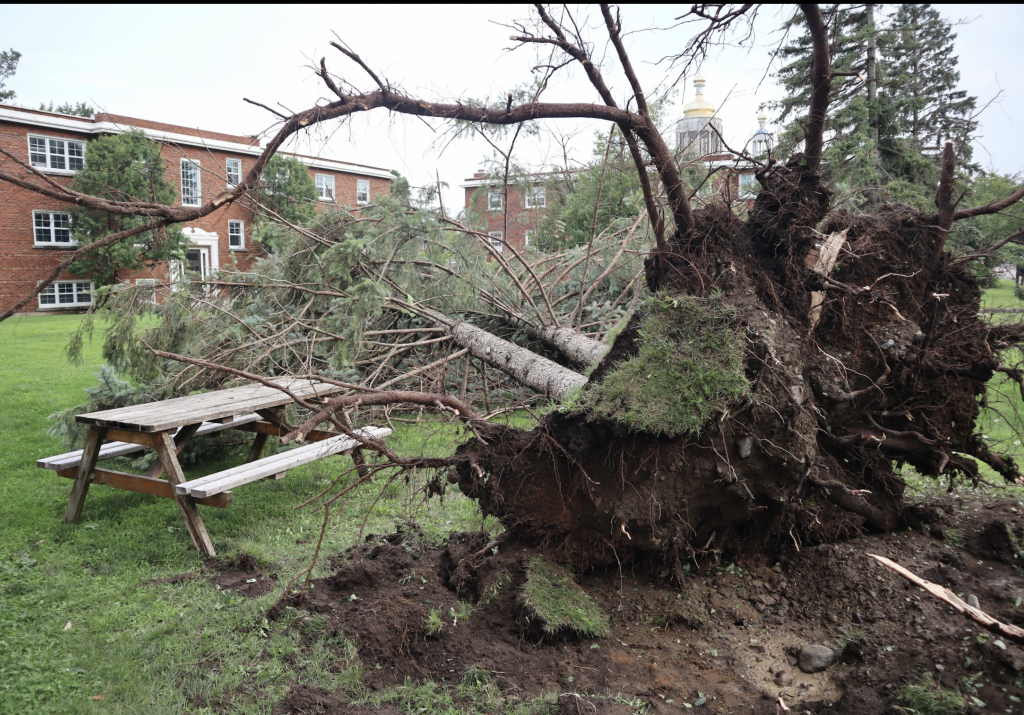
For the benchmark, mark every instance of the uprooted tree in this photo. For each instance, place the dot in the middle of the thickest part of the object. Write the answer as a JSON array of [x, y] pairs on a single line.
[[781, 369]]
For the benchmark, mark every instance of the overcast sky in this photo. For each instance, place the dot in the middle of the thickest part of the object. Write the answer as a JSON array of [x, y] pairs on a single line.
[[193, 65]]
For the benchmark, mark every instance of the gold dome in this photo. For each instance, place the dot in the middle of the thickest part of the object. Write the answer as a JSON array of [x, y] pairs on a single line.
[[699, 107]]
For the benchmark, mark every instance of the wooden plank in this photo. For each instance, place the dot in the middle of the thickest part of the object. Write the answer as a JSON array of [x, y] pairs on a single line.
[[270, 466], [189, 512], [72, 459], [116, 434], [167, 414], [84, 474], [144, 485], [119, 449]]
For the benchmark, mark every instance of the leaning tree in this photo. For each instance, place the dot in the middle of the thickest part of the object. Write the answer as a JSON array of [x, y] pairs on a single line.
[[784, 366]]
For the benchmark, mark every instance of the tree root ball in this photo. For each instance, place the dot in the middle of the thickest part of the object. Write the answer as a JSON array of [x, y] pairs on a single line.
[[860, 348]]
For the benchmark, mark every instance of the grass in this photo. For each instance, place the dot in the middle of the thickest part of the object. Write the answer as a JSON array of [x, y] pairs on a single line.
[[689, 368], [135, 644], [553, 595], [929, 698]]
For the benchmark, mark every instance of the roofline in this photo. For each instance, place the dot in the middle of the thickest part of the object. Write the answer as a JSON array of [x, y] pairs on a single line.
[[52, 120], [537, 179]]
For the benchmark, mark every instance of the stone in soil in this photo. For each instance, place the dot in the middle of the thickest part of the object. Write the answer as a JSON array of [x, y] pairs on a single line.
[[815, 658]]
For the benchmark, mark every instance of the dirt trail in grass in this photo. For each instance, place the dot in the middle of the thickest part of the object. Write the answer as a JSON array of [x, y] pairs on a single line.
[[730, 635]]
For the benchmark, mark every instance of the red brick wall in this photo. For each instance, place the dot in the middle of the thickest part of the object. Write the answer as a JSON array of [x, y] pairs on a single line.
[[22, 264], [514, 220]]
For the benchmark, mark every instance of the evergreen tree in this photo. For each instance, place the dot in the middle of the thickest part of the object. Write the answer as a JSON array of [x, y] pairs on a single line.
[[123, 167], [78, 109], [849, 156], [8, 66], [288, 189], [924, 107]]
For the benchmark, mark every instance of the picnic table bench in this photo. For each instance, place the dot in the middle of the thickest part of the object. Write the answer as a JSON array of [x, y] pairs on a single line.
[[168, 425]]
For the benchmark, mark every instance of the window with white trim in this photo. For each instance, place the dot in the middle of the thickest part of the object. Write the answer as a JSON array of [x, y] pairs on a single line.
[[325, 188], [52, 228], [536, 197], [234, 172], [56, 154], [66, 293], [191, 190], [497, 240], [236, 235], [362, 191], [494, 200], [147, 289], [529, 238], [748, 186]]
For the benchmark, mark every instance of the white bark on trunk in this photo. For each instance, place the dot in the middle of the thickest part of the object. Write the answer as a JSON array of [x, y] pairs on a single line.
[[574, 345], [522, 365]]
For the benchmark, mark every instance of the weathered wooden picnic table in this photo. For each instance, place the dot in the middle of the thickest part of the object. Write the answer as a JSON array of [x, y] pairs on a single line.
[[168, 425]]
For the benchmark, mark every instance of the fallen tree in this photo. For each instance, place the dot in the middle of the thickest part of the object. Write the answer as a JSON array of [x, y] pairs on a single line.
[[781, 366]]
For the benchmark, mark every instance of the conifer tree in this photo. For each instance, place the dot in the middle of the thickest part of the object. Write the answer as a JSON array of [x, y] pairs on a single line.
[[123, 167], [924, 106], [849, 157]]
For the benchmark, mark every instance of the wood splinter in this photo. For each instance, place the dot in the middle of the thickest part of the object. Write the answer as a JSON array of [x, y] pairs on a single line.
[[955, 602]]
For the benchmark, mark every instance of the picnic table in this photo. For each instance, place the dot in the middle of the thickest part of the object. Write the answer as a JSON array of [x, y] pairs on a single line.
[[168, 425]]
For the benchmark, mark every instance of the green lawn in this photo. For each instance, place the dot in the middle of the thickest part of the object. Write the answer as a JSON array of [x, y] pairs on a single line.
[[143, 646], [137, 645]]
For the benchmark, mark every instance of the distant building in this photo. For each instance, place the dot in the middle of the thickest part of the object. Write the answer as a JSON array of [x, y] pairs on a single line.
[[35, 231], [526, 202], [699, 146], [699, 139]]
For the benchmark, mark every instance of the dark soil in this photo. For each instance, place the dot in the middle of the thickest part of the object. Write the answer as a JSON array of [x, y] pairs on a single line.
[[242, 574], [729, 633]]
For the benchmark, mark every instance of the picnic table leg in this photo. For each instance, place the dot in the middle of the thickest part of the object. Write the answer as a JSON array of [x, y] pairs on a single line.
[[84, 478], [165, 449], [180, 440]]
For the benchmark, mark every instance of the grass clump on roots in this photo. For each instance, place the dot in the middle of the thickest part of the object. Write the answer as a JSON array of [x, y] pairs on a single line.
[[929, 698], [553, 595], [689, 367]]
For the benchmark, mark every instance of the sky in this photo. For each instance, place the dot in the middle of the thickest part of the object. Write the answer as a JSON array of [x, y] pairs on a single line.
[[193, 65]]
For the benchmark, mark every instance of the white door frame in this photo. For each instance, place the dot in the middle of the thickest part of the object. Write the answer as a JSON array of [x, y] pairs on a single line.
[[200, 239]]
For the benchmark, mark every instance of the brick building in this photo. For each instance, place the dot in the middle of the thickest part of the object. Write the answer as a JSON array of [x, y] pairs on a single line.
[[35, 230], [525, 201], [699, 148]]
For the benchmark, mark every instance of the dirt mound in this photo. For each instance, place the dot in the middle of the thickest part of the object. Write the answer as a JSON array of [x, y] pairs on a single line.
[[730, 635]]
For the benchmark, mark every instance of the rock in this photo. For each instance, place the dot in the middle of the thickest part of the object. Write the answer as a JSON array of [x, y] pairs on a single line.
[[745, 445], [972, 600], [791, 659], [783, 679], [815, 658], [939, 667], [857, 618]]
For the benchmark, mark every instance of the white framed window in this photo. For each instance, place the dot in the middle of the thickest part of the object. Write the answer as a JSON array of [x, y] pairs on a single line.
[[62, 294], [362, 191], [52, 228], [493, 200], [191, 189], [536, 197], [748, 186], [147, 288], [236, 235], [530, 238], [234, 172], [325, 188], [497, 240], [56, 154], [705, 143]]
